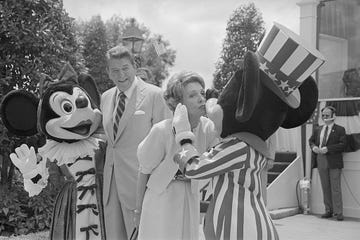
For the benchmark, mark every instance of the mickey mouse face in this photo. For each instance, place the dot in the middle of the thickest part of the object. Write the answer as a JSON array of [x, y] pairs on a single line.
[[75, 117], [67, 110]]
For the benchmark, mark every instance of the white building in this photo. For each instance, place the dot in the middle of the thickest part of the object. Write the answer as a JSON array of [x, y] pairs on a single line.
[[332, 26]]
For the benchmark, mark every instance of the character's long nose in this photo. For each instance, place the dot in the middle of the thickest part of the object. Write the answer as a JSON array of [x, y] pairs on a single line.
[[81, 102]]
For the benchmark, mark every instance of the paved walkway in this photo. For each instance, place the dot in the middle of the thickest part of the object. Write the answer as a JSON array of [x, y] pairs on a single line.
[[298, 227], [312, 227]]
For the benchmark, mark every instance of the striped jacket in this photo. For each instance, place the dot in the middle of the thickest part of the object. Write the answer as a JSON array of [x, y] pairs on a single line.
[[237, 210]]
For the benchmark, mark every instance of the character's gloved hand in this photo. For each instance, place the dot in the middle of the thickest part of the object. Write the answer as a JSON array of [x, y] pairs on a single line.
[[35, 185], [215, 113], [25, 160], [181, 125]]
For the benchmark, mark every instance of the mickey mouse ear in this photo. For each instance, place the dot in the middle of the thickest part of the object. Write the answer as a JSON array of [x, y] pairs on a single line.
[[309, 99], [18, 112]]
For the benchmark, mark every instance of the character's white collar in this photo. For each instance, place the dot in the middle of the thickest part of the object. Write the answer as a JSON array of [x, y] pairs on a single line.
[[65, 153]]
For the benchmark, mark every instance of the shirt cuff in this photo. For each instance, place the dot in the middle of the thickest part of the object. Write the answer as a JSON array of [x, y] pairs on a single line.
[[186, 153]]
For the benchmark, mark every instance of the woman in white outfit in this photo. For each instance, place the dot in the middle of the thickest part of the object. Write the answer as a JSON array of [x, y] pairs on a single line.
[[167, 202]]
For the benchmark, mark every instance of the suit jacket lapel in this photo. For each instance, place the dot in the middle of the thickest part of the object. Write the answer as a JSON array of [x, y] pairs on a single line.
[[331, 134], [108, 112], [319, 138], [141, 89], [134, 102]]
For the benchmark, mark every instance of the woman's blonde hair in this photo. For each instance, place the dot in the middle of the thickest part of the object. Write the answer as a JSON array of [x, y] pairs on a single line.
[[174, 89]]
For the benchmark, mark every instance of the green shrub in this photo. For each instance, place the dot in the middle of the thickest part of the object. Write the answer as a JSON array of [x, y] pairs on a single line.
[[20, 214]]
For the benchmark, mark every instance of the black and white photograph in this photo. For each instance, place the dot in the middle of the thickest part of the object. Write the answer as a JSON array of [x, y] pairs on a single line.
[[179, 120]]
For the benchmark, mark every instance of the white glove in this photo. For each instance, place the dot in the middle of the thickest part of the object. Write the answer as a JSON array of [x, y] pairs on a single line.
[[215, 113], [35, 188], [181, 124], [25, 160]]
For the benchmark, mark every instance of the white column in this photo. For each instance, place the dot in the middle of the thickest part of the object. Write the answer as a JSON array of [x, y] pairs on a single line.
[[308, 17], [308, 25]]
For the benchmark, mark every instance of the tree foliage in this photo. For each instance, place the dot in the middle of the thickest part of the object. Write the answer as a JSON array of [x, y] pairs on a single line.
[[36, 36], [92, 36], [95, 46], [244, 32], [114, 29], [21, 214], [158, 65]]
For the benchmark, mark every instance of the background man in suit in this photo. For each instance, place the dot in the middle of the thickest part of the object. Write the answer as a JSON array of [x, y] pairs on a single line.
[[327, 143], [129, 111]]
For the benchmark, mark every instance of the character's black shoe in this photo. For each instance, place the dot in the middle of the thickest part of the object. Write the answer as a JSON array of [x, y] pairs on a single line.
[[326, 215]]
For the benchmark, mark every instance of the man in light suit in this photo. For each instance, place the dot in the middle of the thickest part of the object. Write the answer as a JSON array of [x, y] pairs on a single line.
[[327, 143], [129, 111]]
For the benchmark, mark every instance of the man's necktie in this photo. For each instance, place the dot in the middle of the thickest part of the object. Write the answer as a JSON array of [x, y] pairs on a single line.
[[323, 142], [119, 112]]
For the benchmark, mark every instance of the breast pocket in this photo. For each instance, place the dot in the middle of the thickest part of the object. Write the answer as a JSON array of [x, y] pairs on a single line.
[[139, 112], [141, 123]]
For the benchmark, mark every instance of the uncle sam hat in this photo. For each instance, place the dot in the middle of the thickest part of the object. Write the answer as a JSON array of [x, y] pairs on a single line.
[[285, 61]]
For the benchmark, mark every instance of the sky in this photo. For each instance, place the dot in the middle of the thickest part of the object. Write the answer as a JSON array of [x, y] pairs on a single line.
[[194, 28]]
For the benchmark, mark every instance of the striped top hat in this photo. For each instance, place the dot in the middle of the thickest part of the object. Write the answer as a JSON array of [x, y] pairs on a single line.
[[286, 61]]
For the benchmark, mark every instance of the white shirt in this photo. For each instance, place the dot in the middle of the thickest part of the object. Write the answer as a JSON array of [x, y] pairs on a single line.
[[128, 93]]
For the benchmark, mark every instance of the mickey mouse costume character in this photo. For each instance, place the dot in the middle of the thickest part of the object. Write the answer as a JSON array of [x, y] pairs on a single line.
[[274, 89], [68, 115]]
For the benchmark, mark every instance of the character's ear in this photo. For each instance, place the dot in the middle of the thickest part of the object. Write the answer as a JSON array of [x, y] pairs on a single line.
[[249, 89], [89, 84], [309, 98], [45, 81], [19, 112], [67, 73]]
